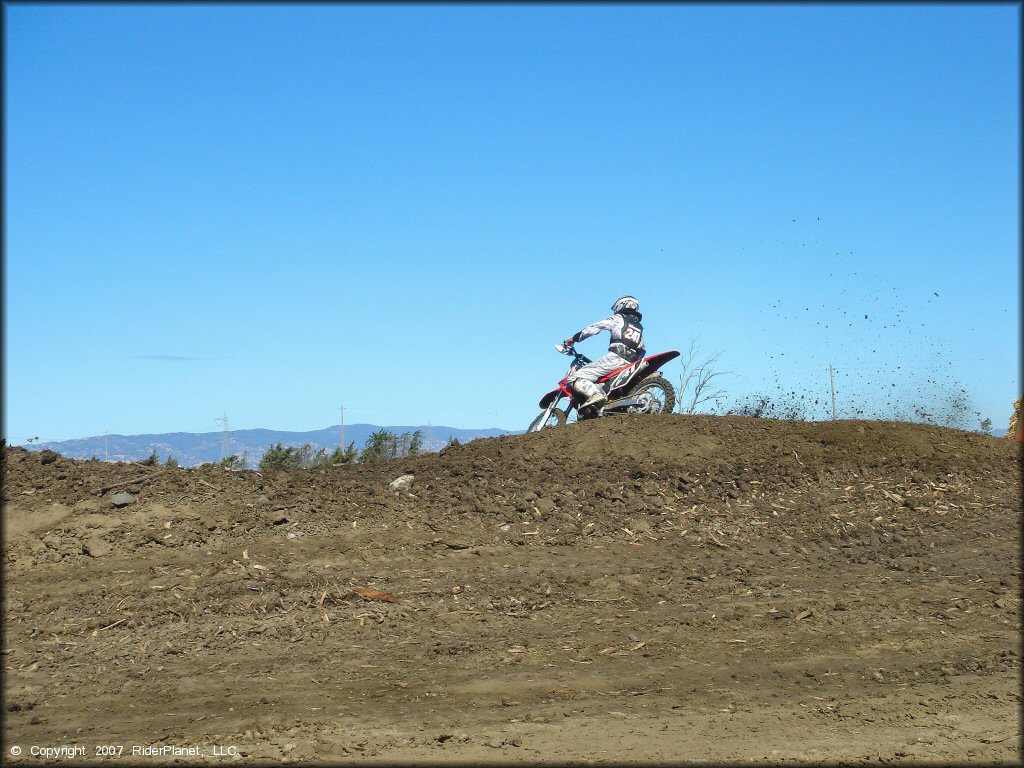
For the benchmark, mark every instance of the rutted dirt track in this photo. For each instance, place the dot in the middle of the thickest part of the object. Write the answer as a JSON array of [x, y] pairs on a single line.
[[650, 588]]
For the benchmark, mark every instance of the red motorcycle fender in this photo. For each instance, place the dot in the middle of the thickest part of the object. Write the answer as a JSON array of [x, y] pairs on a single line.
[[554, 394], [654, 362], [649, 365], [616, 372]]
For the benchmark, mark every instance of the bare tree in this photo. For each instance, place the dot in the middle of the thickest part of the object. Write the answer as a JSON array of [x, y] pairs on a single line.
[[696, 382]]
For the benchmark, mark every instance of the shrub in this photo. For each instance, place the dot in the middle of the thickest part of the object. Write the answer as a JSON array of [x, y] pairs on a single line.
[[279, 457], [382, 444], [416, 443], [289, 457], [234, 461], [343, 456]]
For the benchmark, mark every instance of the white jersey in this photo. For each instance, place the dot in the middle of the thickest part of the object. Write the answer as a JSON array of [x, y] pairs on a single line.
[[627, 344], [611, 324], [625, 331]]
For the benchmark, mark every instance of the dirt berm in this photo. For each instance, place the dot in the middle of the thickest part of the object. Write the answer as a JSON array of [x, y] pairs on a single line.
[[648, 588]]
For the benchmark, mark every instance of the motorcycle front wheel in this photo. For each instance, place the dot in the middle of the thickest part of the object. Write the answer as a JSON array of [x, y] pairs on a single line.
[[657, 395], [554, 419]]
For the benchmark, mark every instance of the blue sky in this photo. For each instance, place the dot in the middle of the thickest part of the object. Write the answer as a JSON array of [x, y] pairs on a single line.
[[268, 211]]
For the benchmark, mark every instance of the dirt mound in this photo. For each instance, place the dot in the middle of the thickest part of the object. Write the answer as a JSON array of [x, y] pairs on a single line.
[[642, 588]]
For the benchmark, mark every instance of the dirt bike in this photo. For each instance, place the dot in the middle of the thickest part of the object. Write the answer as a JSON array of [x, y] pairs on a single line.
[[633, 388]]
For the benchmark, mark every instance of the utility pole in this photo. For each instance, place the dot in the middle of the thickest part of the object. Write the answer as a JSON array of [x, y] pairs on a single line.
[[106, 446], [224, 442], [343, 429], [832, 381]]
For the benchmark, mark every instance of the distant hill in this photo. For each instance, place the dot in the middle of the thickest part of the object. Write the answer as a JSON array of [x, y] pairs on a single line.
[[192, 448]]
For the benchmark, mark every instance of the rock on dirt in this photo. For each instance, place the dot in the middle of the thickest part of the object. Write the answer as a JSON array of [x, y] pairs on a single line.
[[402, 483], [122, 499], [96, 548]]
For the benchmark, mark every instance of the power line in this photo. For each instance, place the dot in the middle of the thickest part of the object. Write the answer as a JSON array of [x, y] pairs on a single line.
[[224, 442]]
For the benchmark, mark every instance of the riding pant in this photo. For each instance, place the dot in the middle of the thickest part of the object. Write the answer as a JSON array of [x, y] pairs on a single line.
[[600, 367]]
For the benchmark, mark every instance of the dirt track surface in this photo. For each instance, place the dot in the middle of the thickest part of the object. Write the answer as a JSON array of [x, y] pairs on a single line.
[[649, 588]]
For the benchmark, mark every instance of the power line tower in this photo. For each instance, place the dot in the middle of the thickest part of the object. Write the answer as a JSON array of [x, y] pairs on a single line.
[[227, 436]]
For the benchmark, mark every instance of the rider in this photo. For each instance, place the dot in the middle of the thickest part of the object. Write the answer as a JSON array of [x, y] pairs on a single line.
[[626, 345]]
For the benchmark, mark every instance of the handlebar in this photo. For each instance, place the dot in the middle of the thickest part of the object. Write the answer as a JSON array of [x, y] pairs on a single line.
[[570, 350]]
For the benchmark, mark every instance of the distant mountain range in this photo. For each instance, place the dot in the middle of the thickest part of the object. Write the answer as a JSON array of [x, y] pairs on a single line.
[[192, 448]]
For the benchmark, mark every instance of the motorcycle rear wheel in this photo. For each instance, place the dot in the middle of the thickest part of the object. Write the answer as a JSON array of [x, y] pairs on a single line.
[[555, 419], [659, 392]]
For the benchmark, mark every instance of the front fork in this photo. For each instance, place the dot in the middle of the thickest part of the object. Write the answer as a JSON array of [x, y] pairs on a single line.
[[547, 414], [570, 400], [554, 404]]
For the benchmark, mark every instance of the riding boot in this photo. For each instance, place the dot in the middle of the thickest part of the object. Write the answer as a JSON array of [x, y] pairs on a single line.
[[594, 394]]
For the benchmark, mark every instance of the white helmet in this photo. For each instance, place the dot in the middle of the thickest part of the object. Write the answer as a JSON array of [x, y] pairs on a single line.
[[625, 304]]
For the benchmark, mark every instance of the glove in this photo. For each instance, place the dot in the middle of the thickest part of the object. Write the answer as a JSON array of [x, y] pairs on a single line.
[[568, 342]]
